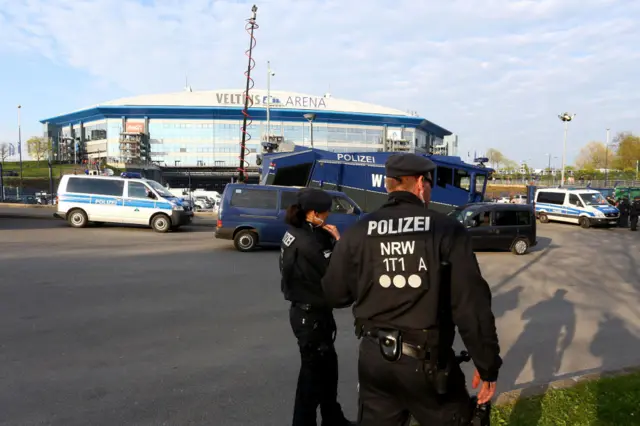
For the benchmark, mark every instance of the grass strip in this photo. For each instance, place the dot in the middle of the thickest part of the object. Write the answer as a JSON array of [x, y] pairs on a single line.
[[609, 401]]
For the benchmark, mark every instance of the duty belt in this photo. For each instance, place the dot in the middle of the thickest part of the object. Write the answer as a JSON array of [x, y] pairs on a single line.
[[413, 351], [308, 307]]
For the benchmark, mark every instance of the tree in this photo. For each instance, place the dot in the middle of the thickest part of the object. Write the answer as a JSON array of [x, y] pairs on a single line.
[[5, 151], [39, 148], [628, 151], [594, 156], [495, 157]]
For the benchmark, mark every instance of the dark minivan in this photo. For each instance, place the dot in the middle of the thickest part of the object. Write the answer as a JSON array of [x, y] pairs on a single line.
[[496, 226], [253, 215]]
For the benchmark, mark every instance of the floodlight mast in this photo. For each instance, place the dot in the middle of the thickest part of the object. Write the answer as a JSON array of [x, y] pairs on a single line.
[[566, 117]]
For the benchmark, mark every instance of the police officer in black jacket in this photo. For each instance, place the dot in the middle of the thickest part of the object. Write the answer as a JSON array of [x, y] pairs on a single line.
[[634, 212], [390, 267], [305, 251], [625, 208]]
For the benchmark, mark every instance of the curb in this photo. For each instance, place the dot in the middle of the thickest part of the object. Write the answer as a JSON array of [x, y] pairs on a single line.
[[513, 396], [26, 215], [26, 206]]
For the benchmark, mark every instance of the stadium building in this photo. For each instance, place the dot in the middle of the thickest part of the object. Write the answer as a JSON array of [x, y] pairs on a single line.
[[200, 131]]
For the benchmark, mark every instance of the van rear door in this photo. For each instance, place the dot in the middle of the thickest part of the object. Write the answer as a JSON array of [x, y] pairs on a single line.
[[255, 207]]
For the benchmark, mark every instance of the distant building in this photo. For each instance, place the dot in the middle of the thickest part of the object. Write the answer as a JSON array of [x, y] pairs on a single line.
[[449, 146]]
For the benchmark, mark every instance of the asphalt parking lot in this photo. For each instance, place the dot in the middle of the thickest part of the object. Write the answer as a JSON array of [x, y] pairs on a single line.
[[124, 326]]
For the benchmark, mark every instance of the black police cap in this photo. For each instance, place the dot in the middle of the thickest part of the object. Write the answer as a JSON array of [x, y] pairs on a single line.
[[314, 199], [399, 165]]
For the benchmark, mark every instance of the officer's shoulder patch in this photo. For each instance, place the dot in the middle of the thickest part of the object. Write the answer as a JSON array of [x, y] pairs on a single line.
[[288, 239], [327, 254]]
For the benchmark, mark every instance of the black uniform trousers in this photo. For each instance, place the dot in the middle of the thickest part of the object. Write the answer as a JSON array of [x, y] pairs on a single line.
[[392, 391], [623, 221], [634, 222], [318, 379]]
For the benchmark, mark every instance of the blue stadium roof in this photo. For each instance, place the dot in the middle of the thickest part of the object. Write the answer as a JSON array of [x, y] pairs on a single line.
[[227, 105]]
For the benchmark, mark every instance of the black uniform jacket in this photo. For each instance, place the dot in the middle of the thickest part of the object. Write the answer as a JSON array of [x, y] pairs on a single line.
[[634, 210], [388, 267], [304, 257]]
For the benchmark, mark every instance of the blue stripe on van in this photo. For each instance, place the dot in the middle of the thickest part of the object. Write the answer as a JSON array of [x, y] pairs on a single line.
[[555, 208], [94, 199]]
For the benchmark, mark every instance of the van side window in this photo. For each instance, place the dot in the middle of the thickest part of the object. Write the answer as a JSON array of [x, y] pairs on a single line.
[[341, 205], [287, 199], [551, 197], [444, 176], [484, 219], [506, 218], [524, 218], [111, 187], [480, 179], [254, 198], [137, 190], [462, 180], [574, 200]]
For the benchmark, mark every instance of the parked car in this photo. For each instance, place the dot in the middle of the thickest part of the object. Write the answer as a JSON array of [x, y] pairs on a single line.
[[499, 226], [253, 215], [516, 199]]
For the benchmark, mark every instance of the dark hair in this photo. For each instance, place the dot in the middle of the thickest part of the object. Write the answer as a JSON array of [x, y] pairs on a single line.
[[295, 216]]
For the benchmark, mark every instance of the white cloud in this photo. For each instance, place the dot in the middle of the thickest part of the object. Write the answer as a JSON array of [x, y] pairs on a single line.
[[495, 71]]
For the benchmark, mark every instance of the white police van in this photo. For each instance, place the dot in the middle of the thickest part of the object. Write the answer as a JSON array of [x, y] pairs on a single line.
[[585, 207], [128, 199]]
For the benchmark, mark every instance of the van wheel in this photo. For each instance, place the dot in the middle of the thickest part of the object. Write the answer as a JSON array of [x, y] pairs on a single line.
[[543, 218], [520, 247], [245, 240], [77, 218], [161, 223], [584, 222]]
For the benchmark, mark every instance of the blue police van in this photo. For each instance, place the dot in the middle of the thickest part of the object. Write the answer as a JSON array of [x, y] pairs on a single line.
[[253, 215]]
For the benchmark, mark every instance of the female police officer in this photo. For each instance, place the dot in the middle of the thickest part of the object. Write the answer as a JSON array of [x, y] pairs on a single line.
[[305, 251]]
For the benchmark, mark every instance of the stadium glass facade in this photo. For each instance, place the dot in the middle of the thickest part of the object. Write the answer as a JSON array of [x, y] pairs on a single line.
[[204, 129]]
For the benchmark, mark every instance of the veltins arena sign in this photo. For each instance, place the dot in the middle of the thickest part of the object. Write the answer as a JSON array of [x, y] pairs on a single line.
[[236, 99]]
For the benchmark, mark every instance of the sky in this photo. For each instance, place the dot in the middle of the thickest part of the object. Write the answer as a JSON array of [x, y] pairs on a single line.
[[495, 72]]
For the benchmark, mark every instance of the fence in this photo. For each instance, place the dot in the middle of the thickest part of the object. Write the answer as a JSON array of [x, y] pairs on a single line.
[[611, 183]]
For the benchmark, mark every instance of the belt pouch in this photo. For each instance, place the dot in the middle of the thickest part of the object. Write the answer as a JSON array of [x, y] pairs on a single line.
[[390, 342]]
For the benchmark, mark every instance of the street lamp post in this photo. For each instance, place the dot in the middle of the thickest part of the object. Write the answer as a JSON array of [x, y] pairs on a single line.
[[606, 161], [566, 117], [269, 75], [310, 116], [20, 147], [549, 168]]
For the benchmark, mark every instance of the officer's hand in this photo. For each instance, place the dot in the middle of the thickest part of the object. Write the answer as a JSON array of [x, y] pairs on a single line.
[[487, 390], [332, 230]]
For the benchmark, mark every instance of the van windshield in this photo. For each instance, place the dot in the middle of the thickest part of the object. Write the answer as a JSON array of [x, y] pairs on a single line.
[[161, 190], [593, 199]]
